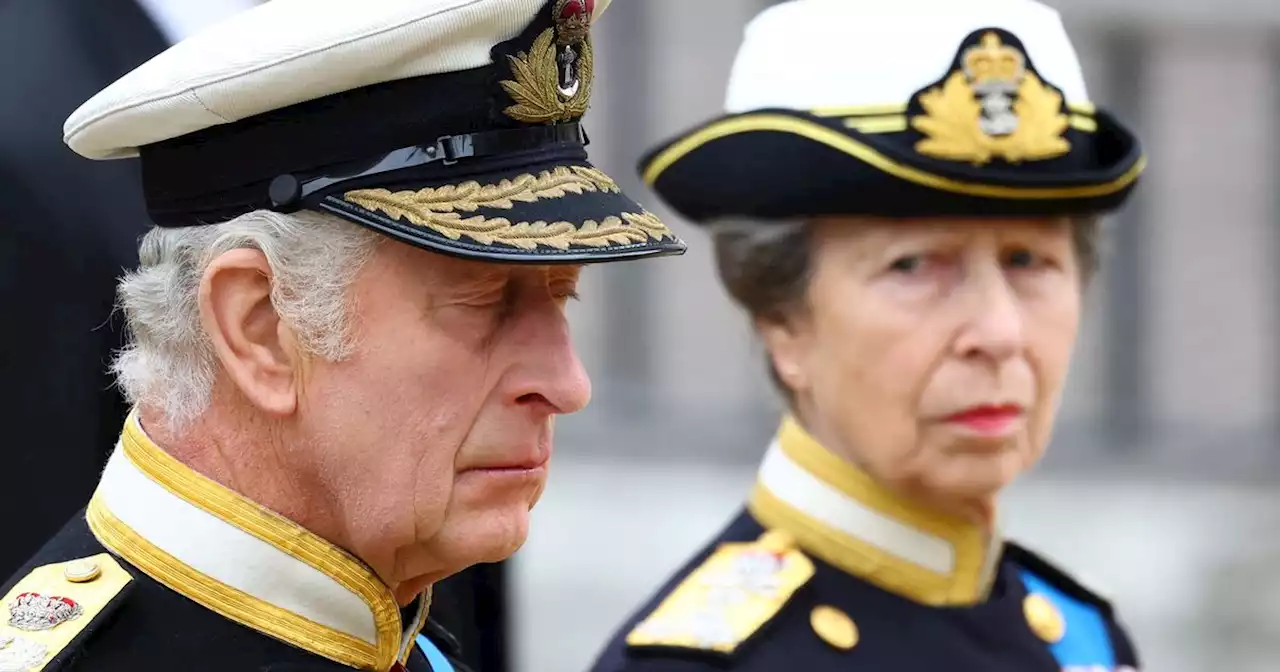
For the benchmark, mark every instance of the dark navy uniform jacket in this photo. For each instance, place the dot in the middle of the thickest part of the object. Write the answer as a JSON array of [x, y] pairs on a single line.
[[764, 596], [166, 570]]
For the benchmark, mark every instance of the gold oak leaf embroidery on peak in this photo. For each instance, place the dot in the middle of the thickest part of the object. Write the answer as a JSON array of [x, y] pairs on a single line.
[[471, 196], [440, 209], [626, 229], [537, 79]]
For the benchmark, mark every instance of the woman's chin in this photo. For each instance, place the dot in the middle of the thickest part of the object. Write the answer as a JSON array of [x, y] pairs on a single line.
[[973, 476]]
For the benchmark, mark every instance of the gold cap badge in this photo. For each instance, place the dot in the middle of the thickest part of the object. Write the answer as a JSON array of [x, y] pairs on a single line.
[[992, 106], [552, 81]]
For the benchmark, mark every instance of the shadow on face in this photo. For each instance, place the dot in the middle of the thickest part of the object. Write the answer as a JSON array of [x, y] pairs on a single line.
[[932, 353], [436, 433]]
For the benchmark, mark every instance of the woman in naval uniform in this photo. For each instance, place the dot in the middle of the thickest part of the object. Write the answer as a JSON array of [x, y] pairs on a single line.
[[923, 181]]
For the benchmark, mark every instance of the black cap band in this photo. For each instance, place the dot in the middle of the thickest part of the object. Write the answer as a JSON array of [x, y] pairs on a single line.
[[227, 170], [288, 192]]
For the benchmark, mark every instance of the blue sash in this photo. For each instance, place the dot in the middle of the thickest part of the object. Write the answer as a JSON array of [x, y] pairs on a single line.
[[1086, 644], [438, 662]]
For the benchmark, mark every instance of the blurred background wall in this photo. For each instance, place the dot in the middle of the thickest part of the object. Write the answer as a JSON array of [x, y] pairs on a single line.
[[1159, 486]]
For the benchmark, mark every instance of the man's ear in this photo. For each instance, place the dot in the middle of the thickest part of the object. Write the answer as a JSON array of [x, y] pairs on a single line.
[[787, 346], [259, 353]]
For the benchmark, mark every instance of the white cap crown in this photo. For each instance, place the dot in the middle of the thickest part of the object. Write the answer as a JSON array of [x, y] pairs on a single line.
[[285, 52], [826, 54]]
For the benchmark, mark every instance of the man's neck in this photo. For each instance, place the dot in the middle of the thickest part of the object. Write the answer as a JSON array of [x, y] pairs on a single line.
[[248, 456], [236, 557]]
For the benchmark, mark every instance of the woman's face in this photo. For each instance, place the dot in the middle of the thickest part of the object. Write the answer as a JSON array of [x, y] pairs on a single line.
[[932, 353]]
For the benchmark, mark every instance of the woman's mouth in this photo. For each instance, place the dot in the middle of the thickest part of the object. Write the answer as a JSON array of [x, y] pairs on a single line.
[[989, 419]]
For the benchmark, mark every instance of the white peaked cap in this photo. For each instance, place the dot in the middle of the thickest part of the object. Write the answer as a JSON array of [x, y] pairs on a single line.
[[452, 125], [817, 54], [909, 108], [285, 52]]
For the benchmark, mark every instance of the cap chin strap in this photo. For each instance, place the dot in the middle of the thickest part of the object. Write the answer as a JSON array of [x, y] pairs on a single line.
[[288, 192]]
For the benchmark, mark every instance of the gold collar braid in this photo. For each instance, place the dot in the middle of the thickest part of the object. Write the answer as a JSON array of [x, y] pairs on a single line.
[[270, 527], [839, 514]]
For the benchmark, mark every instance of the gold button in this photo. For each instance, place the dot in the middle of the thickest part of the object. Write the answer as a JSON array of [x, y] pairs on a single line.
[[82, 571], [834, 627], [1044, 618]]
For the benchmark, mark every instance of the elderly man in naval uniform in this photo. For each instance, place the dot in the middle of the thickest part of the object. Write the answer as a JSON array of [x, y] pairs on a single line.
[[348, 333]]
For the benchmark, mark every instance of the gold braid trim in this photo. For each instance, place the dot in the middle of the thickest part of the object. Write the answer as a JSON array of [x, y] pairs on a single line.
[[439, 208]]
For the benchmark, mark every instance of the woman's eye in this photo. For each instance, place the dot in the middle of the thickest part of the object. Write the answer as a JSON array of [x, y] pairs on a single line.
[[1022, 259], [908, 264]]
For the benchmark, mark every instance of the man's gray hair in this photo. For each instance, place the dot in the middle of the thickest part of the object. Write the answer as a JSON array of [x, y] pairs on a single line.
[[169, 364]]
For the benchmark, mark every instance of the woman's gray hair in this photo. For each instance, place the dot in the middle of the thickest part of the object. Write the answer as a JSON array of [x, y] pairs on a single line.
[[169, 364], [765, 267]]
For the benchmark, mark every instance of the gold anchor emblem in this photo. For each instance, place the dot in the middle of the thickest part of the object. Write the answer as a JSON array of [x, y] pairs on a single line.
[[553, 79]]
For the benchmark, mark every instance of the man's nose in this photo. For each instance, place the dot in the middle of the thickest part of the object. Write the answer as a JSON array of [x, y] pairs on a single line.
[[551, 373]]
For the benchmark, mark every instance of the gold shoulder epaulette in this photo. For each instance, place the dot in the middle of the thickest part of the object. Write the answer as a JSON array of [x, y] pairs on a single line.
[[51, 606], [739, 588]]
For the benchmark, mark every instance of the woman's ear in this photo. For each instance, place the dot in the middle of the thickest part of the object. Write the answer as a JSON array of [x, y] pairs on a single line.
[[787, 343], [256, 349]]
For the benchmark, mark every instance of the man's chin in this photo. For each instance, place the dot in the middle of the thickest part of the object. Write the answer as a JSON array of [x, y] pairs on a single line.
[[492, 533], [499, 492], [498, 547], [505, 551]]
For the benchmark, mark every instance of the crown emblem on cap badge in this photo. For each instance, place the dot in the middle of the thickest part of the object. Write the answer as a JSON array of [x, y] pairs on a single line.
[[992, 106], [552, 81]]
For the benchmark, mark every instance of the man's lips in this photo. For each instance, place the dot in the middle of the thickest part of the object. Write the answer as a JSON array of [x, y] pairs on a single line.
[[522, 465], [535, 458]]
